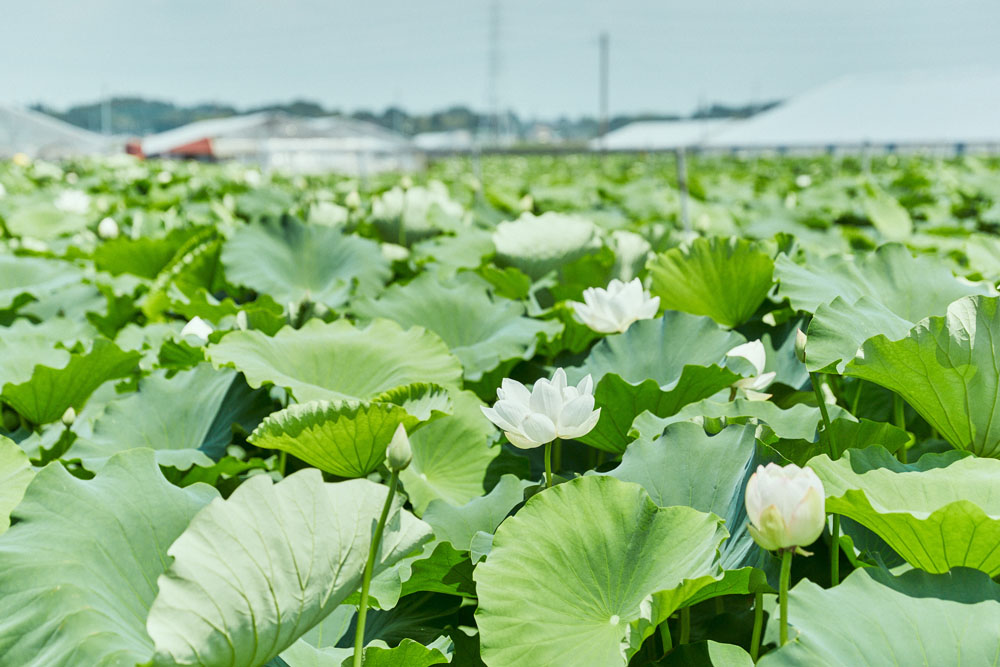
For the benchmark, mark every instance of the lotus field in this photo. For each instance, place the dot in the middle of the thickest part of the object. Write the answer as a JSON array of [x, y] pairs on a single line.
[[533, 412]]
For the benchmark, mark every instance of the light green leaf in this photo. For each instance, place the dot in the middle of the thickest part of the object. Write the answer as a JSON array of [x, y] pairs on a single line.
[[707, 654], [946, 368], [299, 547], [597, 559], [799, 421], [15, 475], [82, 561], [33, 276], [459, 525], [291, 261], [343, 438], [45, 397], [938, 513], [186, 419], [452, 456], [481, 331], [887, 215], [725, 279], [332, 361], [872, 618]]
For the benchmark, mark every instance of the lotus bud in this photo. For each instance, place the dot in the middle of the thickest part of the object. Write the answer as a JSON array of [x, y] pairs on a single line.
[[241, 321], [69, 416], [353, 200], [107, 228], [399, 454], [785, 506], [406, 182], [800, 345], [198, 328]]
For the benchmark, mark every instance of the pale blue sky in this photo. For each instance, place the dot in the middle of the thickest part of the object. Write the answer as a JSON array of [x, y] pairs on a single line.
[[427, 54]]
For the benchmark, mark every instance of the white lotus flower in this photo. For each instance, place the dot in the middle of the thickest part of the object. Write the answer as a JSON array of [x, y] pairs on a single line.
[[3, 190], [353, 200], [73, 201], [803, 180], [552, 409], [197, 328], [107, 228], [754, 353], [786, 507], [613, 310]]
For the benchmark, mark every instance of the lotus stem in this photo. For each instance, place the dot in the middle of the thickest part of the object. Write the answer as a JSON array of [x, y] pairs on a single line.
[[548, 465], [685, 626], [366, 581], [835, 551], [786, 574], [814, 379], [668, 642], [758, 624], [557, 455], [899, 420]]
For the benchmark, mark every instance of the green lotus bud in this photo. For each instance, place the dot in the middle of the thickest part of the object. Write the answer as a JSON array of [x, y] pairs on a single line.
[[69, 416], [800, 345], [399, 454]]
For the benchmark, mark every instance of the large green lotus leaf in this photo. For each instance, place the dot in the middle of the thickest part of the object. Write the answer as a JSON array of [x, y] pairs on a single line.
[[82, 560], [586, 570], [798, 421], [407, 653], [186, 419], [51, 390], [539, 244], [911, 287], [845, 433], [15, 475], [291, 261], [887, 215], [938, 513], [657, 366], [254, 572], [144, 257], [343, 438], [725, 279], [685, 466], [42, 220], [838, 329], [21, 349], [947, 370], [481, 331], [459, 525], [452, 456], [658, 349], [872, 618], [33, 276], [706, 654], [324, 361]]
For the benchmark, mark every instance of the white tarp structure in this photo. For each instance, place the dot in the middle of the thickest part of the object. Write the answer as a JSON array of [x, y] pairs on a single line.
[[276, 140], [913, 109], [39, 135], [445, 141], [659, 135]]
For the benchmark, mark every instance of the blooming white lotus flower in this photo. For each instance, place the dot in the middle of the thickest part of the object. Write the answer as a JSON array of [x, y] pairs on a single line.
[[197, 328], [552, 409], [73, 201], [803, 180], [752, 352], [107, 228], [786, 507], [613, 310]]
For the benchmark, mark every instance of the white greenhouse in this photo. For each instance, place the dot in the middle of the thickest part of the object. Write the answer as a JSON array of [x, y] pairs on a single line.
[[39, 135]]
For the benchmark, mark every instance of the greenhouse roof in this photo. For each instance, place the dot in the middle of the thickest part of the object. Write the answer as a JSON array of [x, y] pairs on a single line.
[[912, 108], [39, 135], [660, 134]]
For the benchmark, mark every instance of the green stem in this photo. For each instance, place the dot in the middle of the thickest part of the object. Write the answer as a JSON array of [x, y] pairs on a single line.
[[814, 379], [720, 605], [685, 626], [835, 551], [557, 455], [668, 642], [786, 574], [366, 581], [758, 624], [548, 465], [899, 420], [857, 398], [282, 460]]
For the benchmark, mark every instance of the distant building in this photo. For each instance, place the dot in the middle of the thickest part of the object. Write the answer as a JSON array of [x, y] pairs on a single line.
[[39, 135], [448, 141], [277, 140], [660, 135], [952, 109]]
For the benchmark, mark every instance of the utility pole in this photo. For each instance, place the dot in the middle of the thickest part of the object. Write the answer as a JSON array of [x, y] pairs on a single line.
[[603, 66], [493, 94]]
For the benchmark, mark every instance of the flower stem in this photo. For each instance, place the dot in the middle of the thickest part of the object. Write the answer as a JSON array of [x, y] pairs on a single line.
[[899, 420], [758, 624], [685, 626], [366, 581], [821, 401], [835, 551], [786, 574], [668, 642], [548, 465]]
